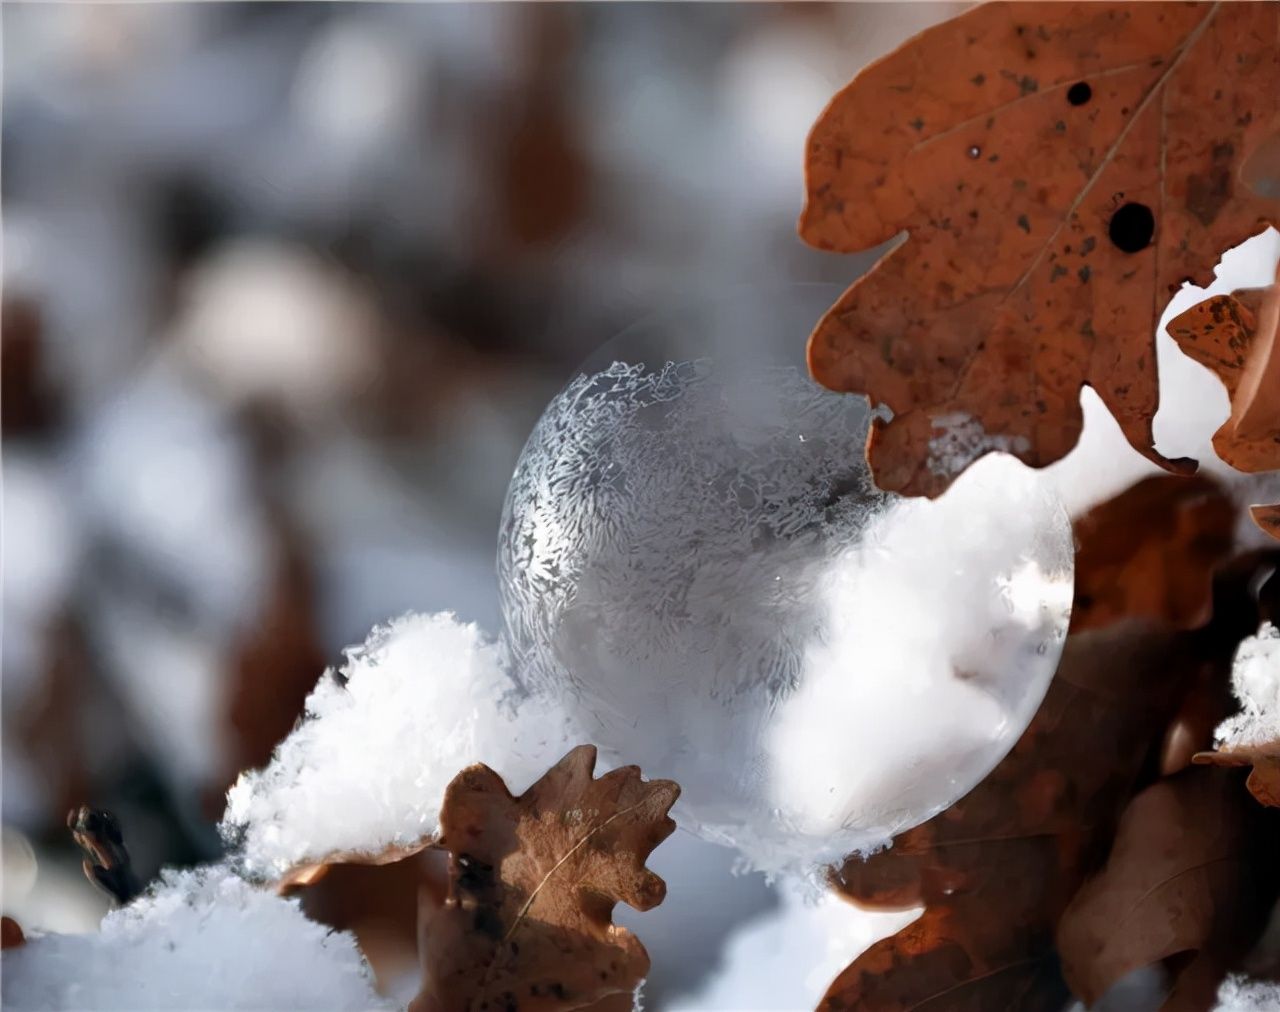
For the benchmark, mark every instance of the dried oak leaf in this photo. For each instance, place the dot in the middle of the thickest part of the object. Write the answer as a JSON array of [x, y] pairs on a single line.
[[996, 870], [1263, 756], [1191, 874], [11, 935], [1060, 169], [1152, 551], [1267, 518], [1236, 337], [377, 897], [1264, 780], [534, 880]]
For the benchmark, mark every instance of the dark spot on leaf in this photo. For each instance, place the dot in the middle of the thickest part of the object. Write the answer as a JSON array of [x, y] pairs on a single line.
[[917, 124], [1057, 272], [1024, 224], [1083, 273], [979, 79], [1079, 93], [1132, 227]]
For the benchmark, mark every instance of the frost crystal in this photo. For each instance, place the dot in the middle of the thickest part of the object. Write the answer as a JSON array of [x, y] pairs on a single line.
[[695, 563], [1239, 994], [201, 939], [960, 439], [366, 768], [1255, 677]]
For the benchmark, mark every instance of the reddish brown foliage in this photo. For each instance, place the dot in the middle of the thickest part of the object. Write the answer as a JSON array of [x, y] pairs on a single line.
[[1264, 781], [1152, 551], [1235, 336], [534, 879], [1060, 169], [11, 935], [1189, 875], [996, 870]]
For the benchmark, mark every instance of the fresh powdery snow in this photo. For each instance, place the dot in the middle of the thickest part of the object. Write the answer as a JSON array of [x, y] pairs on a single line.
[[1255, 676], [202, 939], [367, 766], [1239, 994]]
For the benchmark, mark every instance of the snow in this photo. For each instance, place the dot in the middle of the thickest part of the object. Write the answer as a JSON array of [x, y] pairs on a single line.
[[262, 320], [1239, 994], [201, 939], [788, 958], [1255, 677], [367, 767], [959, 439], [946, 627]]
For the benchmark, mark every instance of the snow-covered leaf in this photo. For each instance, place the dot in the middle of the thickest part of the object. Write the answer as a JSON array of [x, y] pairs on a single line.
[[367, 766], [1252, 736]]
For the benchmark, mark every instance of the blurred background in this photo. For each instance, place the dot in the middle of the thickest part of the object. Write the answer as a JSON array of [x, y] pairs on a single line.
[[285, 288]]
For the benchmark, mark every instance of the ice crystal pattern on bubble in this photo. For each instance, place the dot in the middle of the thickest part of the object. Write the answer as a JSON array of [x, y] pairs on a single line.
[[665, 533]]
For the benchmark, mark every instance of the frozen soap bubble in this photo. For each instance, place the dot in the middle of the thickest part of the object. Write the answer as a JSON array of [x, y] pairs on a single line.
[[695, 562]]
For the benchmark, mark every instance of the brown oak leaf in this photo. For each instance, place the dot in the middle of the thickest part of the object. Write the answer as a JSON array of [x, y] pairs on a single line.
[[534, 879], [1267, 518], [1264, 780], [1060, 169], [996, 870], [1189, 875], [11, 935], [1263, 756], [377, 897], [1236, 337], [1152, 551]]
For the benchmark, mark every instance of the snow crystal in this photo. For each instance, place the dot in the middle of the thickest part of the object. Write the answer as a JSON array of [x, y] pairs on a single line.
[[1239, 994], [1255, 677], [959, 439], [366, 768], [201, 939]]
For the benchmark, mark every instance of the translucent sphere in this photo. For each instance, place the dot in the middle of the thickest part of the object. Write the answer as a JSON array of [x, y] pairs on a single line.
[[695, 562]]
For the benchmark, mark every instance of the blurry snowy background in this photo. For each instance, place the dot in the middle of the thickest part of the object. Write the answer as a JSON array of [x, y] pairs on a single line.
[[285, 287]]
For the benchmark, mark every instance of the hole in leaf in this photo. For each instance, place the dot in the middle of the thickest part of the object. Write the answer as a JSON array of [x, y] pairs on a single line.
[[1079, 93], [974, 151], [1132, 227]]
